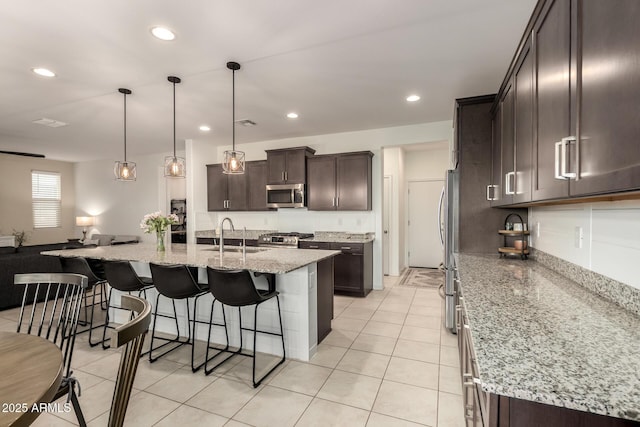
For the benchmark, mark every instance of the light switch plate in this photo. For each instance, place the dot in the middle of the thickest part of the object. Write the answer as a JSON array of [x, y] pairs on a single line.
[[578, 236]]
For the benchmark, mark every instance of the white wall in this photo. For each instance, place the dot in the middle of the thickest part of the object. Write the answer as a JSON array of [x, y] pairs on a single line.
[[16, 208], [611, 236], [199, 154], [119, 206]]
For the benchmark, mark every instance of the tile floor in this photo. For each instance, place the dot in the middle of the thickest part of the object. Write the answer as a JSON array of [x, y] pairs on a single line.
[[387, 362]]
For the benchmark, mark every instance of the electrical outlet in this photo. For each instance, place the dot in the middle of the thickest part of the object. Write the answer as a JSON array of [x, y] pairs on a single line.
[[578, 237]]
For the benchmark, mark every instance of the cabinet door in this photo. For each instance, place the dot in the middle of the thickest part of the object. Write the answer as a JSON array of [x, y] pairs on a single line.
[[321, 184], [296, 167], [523, 91], [348, 273], [276, 165], [216, 188], [353, 182], [237, 192], [608, 148], [495, 192], [507, 146], [256, 185], [552, 99]]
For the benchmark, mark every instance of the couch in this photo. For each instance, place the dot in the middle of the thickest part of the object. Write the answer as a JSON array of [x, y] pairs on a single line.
[[111, 239]]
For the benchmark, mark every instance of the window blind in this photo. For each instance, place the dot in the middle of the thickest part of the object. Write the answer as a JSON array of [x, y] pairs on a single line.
[[46, 197]]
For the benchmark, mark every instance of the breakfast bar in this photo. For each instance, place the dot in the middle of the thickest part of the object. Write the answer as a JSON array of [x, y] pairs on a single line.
[[302, 277]]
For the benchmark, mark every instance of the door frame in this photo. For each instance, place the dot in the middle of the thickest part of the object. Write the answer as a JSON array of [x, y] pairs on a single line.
[[407, 229], [387, 194]]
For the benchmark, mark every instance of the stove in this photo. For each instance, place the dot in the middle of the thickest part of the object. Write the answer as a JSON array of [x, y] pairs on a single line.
[[282, 240]]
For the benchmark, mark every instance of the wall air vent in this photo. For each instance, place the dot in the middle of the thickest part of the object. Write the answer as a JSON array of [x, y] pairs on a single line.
[[246, 122], [50, 122]]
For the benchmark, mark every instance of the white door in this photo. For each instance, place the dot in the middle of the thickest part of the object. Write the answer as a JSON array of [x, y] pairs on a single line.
[[386, 220], [423, 228]]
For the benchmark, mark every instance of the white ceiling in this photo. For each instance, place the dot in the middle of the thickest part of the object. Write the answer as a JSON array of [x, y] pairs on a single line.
[[341, 65]]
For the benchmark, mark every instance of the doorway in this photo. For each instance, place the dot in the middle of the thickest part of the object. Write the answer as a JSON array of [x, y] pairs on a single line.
[[386, 223], [424, 249]]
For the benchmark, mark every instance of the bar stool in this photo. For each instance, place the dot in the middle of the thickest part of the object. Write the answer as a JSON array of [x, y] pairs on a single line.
[[235, 288], [79, 265], [176, 282], [122, 277]]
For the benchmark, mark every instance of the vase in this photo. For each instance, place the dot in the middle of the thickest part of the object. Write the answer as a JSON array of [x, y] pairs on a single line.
[[160, 241]]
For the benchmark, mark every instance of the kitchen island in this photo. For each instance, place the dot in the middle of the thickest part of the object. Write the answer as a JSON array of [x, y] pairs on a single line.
[[302, 277], [546, 348]]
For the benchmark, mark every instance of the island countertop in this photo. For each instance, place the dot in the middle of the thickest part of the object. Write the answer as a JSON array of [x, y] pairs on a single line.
[[539, 336], [262, 260]]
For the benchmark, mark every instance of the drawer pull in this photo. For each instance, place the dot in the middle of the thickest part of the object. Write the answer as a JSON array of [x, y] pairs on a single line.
[[313, 246], [346, 248]]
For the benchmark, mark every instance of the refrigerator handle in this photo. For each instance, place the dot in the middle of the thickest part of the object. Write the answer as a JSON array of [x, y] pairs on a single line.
[[440, 217]]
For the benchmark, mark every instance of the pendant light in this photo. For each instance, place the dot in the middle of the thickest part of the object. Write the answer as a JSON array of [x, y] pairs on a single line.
[[233, 160], [174, 167], [125, 171]]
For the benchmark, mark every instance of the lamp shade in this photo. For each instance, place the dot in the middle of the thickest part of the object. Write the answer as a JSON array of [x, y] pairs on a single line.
[[84, 221]]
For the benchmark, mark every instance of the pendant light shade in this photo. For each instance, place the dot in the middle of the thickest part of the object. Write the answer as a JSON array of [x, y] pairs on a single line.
[[174, 166], [233, 160], [125, 170]]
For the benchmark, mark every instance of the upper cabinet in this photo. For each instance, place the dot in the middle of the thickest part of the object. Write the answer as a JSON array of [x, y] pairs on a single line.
[[288, 166], [507, 146], [575, 87], [339, 182], [225, 192], [256, 172]]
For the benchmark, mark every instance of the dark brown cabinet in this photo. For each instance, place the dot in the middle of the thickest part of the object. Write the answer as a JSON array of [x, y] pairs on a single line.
[[507, 166], [256, 185], [225, 192], [339, 182], [288, 166], [523, 125], [353, 268]]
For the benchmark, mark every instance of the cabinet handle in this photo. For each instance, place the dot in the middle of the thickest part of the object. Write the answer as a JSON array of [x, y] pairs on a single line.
[[286, 175], [345, 247], [564, 164], [509, 187], [556, 164], [337, 201], [333, 202], [488, 193], [282, 175]]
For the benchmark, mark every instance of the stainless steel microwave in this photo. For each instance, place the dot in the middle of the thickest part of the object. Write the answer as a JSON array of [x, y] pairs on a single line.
[[286, 196]]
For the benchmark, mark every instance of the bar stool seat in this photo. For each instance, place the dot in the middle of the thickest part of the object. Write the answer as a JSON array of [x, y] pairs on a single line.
[[176, 282], [235, 288], [122, 277]]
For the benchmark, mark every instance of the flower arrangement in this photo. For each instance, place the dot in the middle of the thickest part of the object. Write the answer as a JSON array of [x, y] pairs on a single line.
[[156, 222]]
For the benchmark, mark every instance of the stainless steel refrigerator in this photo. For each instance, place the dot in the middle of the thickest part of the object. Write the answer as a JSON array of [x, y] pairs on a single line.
[[448, 225]]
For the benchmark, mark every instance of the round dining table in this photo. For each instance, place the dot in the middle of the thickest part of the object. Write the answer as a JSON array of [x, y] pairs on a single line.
[[30, 373]]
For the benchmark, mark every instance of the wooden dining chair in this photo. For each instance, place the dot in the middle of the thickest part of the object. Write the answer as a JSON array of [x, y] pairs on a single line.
[[131, 335], [50, 309]]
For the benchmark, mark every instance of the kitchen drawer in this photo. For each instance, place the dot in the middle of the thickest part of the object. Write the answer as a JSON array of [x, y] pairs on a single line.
[[314, 245], [348, 248]]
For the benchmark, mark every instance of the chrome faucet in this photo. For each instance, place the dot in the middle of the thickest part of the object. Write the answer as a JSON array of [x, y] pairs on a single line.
[[222, 233]]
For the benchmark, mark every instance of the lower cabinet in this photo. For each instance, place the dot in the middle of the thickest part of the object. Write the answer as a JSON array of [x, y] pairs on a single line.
[[353, 268]]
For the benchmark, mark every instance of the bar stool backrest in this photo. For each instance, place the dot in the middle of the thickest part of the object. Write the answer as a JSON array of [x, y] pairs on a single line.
[[79, 265], [233, 287], [122, 276], [174, 281], [50, 308]]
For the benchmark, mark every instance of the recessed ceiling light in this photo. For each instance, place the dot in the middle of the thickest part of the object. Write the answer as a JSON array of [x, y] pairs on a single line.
[[292, 115], [205, 128], [43, 72], [163, 33], [413, 98]]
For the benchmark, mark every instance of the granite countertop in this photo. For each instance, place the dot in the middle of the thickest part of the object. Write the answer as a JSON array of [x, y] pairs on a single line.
[[541, 337], [263, 260], [232, 234], [341, 237]]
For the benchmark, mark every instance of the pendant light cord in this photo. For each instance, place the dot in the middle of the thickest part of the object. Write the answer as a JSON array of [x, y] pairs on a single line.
[[174, 119], [125, 127], [233, 114]]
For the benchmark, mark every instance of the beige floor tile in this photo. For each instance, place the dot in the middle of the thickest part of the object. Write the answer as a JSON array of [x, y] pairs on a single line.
[[379, 420], [150, 373], [374, 344], [301, 377], [449, 356], [94, 401], [104, 367], [181, 385], [417, 350], [350, 389], [144, 410], [450, 381], [322, 413], [348, 324], [389, 317], [407, 402], [186, 416], [412, 372], [234, 423], [395, 307], [7, 325], [223, 397], [243, 371], [398, 299], [340, 338], [415, 333], [383, 329], [50, 420], [365, 363], [274, 407], [429, 322], [402, 291], [358, 313], [425, 311], [427, 301], [83, 355], [448, 339], [371, 304], [328, 355], [450, 412]]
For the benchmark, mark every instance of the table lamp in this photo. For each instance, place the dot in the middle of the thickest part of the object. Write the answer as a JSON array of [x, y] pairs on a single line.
[[84, 222]]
